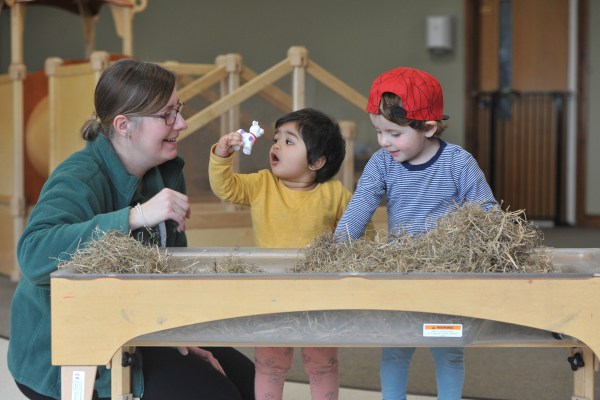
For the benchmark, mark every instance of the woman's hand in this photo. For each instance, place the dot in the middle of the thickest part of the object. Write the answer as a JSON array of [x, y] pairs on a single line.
[[166, 204], [225, 145], [203, 354]]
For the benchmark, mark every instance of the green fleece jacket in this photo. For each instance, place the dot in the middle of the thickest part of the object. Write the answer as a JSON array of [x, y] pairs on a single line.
[[89, 190]]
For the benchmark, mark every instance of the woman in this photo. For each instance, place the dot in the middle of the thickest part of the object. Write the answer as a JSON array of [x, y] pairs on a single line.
[[127, 178]]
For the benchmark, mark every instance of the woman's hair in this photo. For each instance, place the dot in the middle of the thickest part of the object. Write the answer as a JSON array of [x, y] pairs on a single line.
[[322, 137], [390, 107], [128, 87]]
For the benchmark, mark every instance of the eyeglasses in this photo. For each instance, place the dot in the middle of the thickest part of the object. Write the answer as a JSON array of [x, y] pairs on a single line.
[[169, 116]]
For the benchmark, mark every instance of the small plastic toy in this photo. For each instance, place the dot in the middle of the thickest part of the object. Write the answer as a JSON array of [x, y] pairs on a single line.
[[250, 137]]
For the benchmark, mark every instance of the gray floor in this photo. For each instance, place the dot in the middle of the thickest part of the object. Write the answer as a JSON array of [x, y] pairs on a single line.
[[491, 373]]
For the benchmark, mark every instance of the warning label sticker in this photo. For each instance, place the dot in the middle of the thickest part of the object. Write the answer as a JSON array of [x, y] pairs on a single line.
[[442, 330]]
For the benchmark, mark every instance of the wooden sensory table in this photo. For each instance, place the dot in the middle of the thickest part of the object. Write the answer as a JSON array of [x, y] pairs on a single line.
[[97, 319]]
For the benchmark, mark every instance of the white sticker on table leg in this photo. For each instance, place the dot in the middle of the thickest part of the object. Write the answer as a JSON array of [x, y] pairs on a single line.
[[78, 385]]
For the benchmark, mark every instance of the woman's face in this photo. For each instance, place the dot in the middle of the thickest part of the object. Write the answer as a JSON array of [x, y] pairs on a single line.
[[151, 141]]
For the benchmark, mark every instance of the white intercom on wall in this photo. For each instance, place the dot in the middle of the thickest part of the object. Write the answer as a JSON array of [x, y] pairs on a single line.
[[440, 34]]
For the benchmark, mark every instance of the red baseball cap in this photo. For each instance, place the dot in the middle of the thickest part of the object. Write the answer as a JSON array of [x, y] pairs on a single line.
[[421, 94]]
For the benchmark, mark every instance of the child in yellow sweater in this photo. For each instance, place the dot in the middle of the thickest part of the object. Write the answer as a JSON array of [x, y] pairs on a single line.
[[290, 204]]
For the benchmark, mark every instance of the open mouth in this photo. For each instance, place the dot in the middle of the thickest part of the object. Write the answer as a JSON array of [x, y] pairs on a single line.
[[171, 140], [274, 157]]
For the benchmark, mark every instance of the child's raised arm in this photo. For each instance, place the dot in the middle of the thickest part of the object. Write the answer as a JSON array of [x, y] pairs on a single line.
[[227, 144]]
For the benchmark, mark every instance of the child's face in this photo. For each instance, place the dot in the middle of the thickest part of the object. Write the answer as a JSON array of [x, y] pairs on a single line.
[[288, 156], [403, 142]]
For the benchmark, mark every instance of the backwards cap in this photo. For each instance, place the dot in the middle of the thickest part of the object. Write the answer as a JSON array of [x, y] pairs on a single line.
[[421, 94]]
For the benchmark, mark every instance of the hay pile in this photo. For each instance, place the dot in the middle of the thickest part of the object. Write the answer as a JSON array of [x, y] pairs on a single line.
[[465, 240], [234, 264], [113, 252], [116, 253], [468, 239]]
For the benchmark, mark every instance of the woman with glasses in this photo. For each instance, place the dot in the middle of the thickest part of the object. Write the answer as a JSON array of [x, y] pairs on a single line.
[[127, 178]]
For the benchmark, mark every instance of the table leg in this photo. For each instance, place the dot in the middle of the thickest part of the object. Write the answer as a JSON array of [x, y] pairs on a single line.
[[583, 377], [120, 375], [77, 382]]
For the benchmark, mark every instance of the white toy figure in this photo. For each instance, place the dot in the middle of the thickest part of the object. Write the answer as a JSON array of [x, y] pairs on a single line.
[[250, 137]]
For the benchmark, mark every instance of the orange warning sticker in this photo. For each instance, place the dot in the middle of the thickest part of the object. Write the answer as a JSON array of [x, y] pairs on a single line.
[[442, 330]]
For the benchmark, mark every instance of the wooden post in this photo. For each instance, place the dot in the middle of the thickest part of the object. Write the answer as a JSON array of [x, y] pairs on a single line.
[[127, 30], [99, 61], [17, 203], [346, 173], [89, 30], [50, 67], [123, 18], [18, 72], [298, 57], [230, 120], [233, 65], [220, 60], [17, 25]]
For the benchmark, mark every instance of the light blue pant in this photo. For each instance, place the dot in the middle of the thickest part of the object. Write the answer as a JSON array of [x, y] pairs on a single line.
[[449, 372]]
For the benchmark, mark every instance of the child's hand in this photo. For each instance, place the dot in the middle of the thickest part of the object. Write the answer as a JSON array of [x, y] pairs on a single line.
[[225, 145]]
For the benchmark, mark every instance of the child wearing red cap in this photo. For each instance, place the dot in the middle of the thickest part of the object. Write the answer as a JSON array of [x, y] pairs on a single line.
[[422, 178]]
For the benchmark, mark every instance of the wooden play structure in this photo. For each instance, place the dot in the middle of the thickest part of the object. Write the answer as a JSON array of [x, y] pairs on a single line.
[[47, 109], [50, 135], [21, 100], [423, 310]]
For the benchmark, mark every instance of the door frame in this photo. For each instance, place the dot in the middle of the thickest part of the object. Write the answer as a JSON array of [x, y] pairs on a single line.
[[472, 27]]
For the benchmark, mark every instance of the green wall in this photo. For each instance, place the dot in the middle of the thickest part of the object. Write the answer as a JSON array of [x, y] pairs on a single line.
[[354, 40], [593, 138]]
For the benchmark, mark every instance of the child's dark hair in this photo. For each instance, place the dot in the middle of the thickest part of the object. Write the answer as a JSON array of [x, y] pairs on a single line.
[[322, 137], [391, 109]]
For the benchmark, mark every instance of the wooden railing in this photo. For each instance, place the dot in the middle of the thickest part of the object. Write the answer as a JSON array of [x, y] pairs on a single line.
[[239, 83], [296, 63]]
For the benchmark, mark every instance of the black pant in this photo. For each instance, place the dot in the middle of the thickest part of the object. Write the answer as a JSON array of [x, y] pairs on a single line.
[[32, 395], [170, 375]]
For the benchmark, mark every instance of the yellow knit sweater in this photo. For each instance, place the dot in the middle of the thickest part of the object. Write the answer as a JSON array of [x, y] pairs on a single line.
[[281, 217]]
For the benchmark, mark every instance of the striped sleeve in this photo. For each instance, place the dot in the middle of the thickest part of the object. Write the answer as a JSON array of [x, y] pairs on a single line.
[[365, 200]]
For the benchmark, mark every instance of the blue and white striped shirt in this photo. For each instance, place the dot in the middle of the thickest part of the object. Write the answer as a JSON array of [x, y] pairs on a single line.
[[416, 195]]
